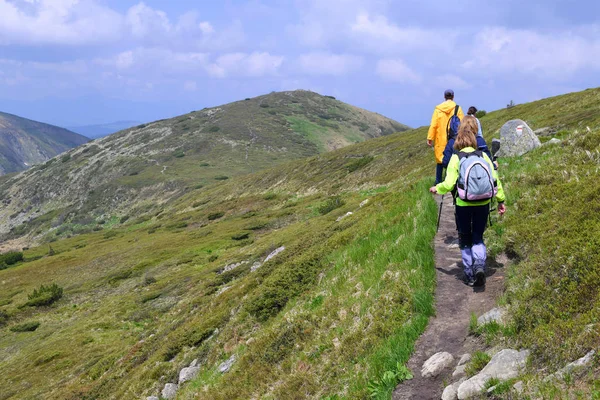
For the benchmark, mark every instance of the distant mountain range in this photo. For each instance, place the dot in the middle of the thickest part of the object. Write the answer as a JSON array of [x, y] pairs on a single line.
[[24, 142], [101, 130]]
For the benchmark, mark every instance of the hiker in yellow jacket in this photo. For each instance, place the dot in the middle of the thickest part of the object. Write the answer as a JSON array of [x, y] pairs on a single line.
[[438, 130]]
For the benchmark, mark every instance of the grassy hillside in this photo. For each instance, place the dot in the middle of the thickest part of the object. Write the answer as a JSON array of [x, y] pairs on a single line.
[[24, 143], [337, 309], [551, 231], [142, 167], [336, 313]]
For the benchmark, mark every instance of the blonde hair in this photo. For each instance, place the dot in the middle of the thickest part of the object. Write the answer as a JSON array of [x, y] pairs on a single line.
[[467, 133]]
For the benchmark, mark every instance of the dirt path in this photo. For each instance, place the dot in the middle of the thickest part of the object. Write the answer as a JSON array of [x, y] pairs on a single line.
[[448, 330]]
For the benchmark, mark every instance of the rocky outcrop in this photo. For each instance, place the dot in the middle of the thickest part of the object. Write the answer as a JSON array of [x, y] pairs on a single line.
[[573, 366]]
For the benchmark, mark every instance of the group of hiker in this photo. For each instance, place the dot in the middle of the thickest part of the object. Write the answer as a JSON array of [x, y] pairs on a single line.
[[471, 176]]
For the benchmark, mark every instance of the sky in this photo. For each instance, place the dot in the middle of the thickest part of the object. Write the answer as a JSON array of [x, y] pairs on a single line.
[[80, 62]]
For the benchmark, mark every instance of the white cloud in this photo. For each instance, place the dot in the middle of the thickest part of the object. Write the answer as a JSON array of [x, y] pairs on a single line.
[[378, 33], [206, 27], [555, 55], [243, 64], [143, 21], [396, 70], [321, 63], [451, 81], [70, 22]]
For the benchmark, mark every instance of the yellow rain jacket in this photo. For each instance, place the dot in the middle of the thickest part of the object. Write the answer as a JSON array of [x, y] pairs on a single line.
[[439, 124]]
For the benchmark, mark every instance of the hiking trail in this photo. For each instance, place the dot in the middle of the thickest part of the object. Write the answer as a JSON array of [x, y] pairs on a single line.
[[448, 330]]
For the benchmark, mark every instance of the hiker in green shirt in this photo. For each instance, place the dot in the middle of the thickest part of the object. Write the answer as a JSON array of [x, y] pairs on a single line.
[[471, 173]]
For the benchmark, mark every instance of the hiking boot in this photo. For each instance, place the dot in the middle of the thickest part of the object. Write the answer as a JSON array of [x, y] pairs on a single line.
[[469, 281], [479, 278]]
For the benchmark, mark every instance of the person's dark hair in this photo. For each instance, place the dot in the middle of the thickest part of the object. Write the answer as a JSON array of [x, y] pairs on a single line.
[[448, 96], [472, 110]]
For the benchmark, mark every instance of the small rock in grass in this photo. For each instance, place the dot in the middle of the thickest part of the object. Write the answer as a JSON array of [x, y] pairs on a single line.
[[570, 367], [518, 387], [226, 366], [494, 315], [187, 374], [152, 398], [194, 363], [364, 203], [553, 141], [344, 216], [170, 391], [436, 364]]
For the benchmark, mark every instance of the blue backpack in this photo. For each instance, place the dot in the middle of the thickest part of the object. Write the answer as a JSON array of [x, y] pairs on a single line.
[[453, 124]]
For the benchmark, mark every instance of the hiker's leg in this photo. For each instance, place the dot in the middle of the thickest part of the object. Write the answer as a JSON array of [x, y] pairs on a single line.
[[480, 217], [465, 238], [439, 172]]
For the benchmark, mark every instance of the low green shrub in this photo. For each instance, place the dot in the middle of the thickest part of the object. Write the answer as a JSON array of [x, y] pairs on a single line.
[[10, 258], [264, 105], [241, 236], [221, 178], [480, 113], [215, 215], [331, 204], [44, 295], [214, 129], [124, 219], [359, 163], [477, 363], [26, 327], [110, 234], [3, 317], [179, 154]]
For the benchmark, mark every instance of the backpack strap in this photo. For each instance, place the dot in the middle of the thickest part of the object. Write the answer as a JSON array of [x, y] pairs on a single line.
[[456, 110]]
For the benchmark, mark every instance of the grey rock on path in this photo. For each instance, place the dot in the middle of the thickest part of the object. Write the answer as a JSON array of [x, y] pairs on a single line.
[[152, 398], [451, 391], [517, 139], [503, 366], [170, 391], [436, 364]]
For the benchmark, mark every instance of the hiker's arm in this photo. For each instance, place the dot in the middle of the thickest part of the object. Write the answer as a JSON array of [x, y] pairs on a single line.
[[460, 113], [448, 151], [432, 128], [451, 176]]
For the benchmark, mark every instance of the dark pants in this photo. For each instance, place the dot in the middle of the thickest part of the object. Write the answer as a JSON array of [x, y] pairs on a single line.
[[439, 173], [471, 222]]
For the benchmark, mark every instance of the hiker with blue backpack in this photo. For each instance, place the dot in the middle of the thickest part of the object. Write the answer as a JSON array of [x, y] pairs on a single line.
[[472, 174], [481, 143], [444, 123]]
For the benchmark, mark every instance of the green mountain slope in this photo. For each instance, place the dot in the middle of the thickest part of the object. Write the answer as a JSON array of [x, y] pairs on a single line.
[[153, 163], [24, 143], [333, 315]]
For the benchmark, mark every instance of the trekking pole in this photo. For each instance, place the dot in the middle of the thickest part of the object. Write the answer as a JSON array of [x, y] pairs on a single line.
[[440, 214]]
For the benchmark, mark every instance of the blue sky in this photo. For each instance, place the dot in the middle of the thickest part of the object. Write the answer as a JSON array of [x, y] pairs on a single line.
[[77, 62]]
